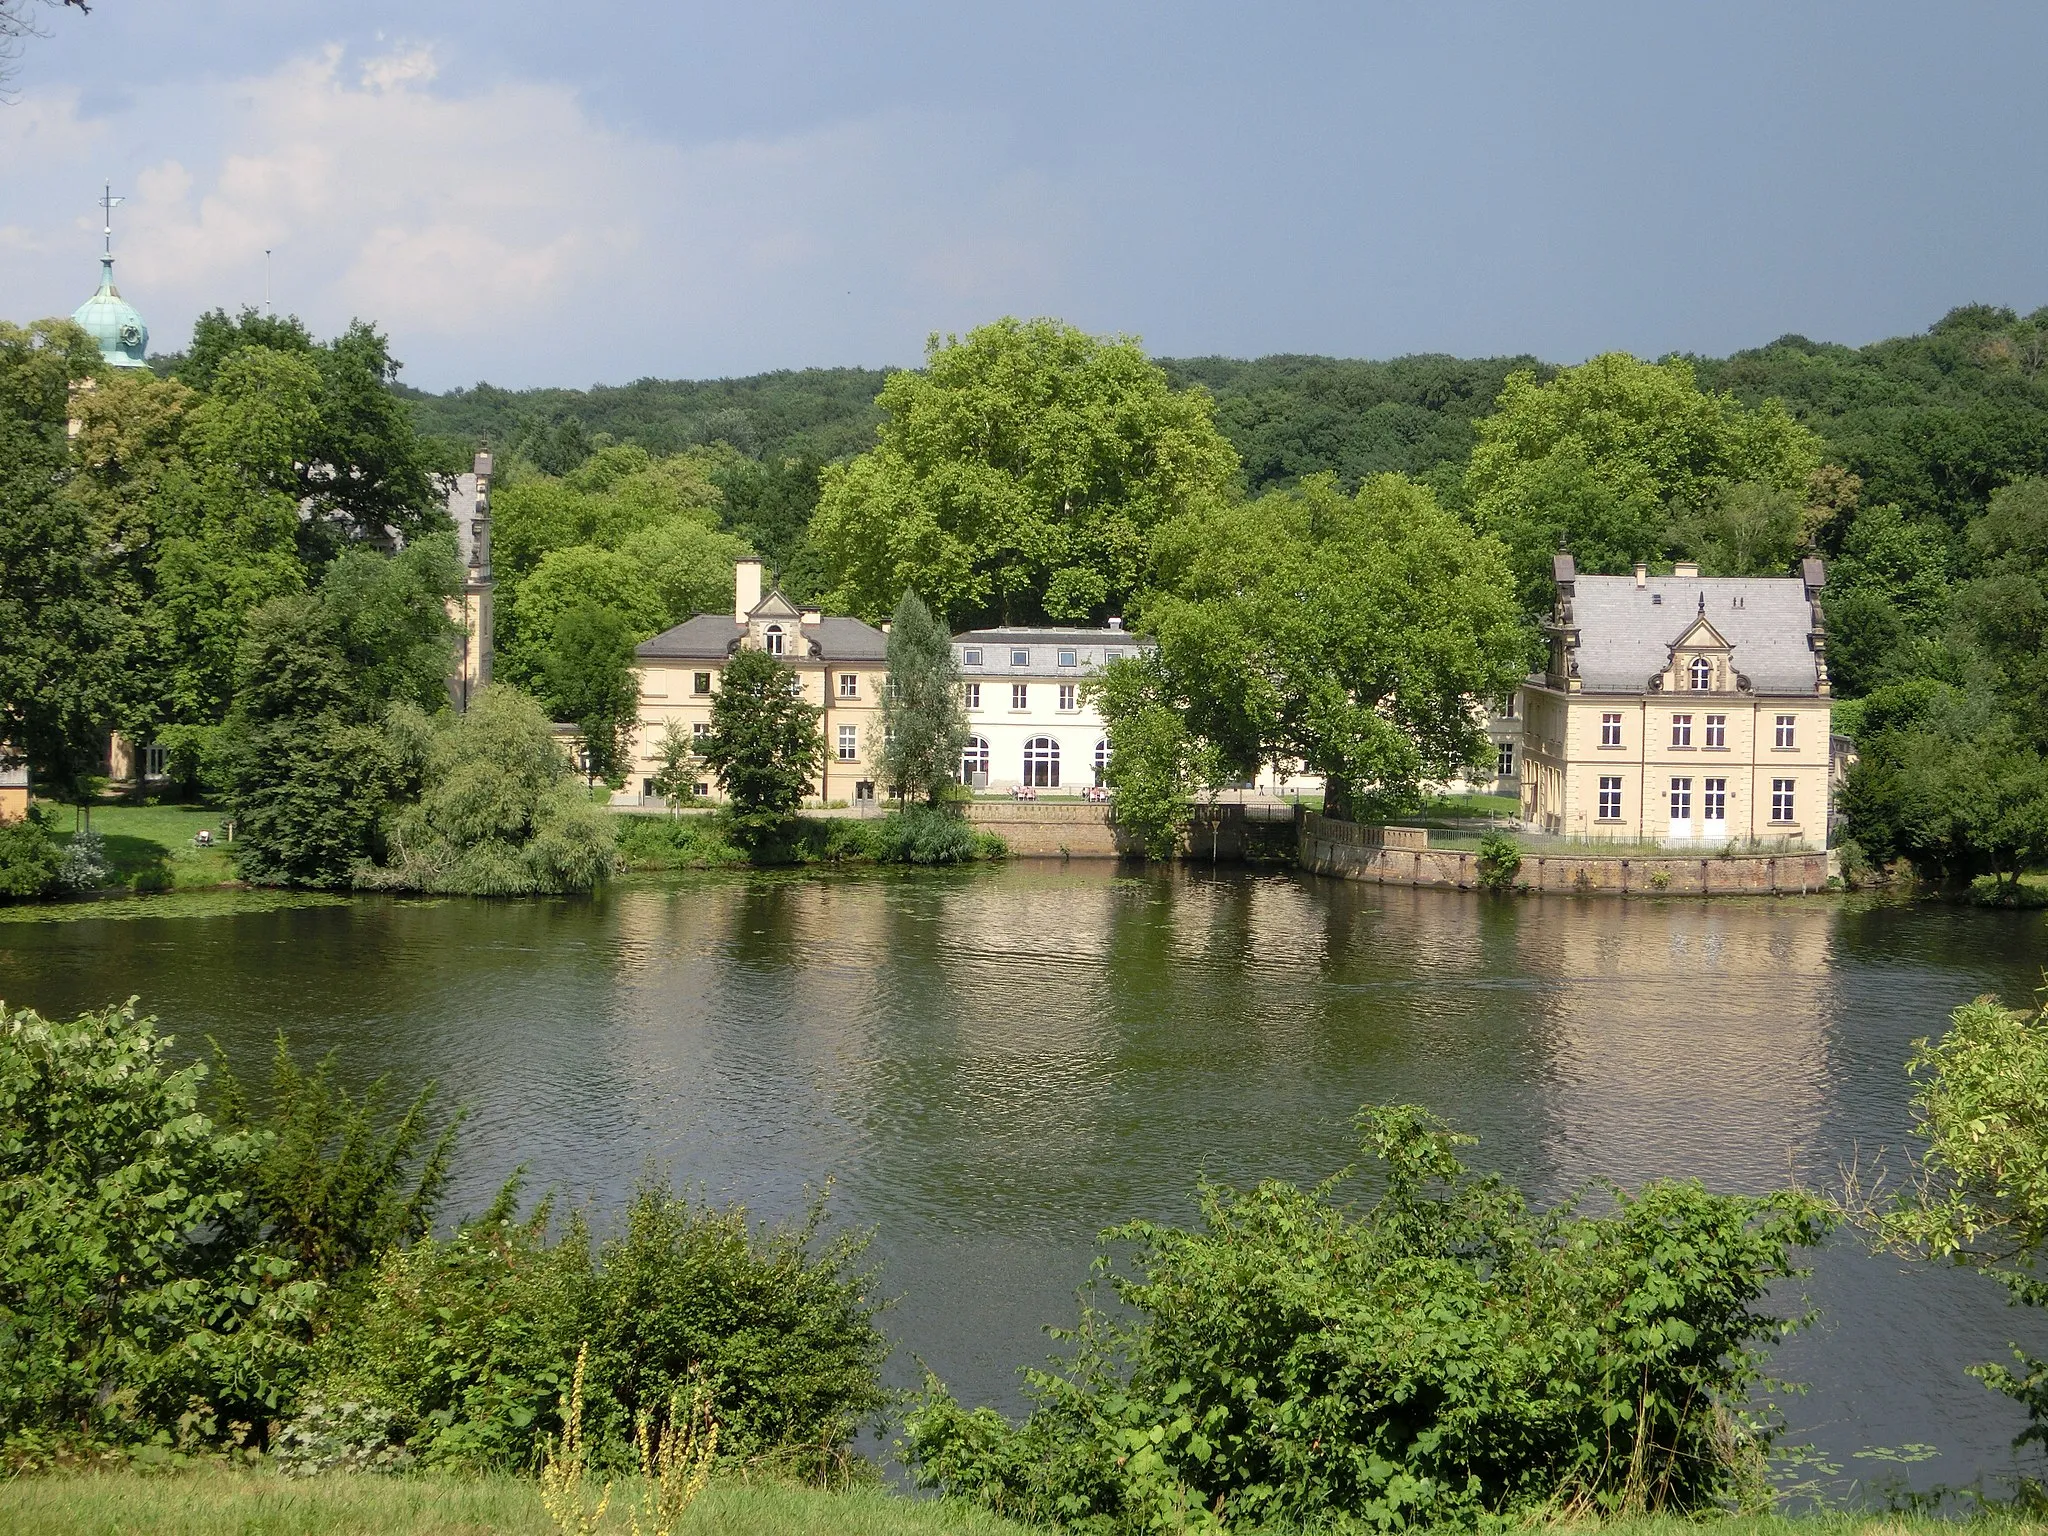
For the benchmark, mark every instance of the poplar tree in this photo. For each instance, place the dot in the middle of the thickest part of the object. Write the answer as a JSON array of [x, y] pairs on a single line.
[[764, 745], [923, 726]]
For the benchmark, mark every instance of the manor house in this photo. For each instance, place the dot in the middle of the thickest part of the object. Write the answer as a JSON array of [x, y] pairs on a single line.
[[841, 663], [1681, 709]]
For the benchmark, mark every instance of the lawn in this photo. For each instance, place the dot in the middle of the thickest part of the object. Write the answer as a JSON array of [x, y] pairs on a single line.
[[262, 1503], [146, 839]]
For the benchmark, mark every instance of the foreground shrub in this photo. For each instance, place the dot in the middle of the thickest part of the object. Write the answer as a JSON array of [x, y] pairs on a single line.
[[136, 1292], [1445, 1357], [500, 812], [931, 834], [467, 1345], [1500, 860], [30, 859]]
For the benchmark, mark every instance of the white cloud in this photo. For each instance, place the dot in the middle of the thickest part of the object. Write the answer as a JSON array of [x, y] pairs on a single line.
[[505, 232]]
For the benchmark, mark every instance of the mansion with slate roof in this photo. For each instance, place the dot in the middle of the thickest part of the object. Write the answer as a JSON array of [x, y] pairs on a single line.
[[840, 662], [1682, 709]]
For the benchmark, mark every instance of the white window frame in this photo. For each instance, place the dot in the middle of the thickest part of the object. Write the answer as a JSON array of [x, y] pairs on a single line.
[[971, 656], [1681, 730], [1610, 797], [1070, 698], [1610, 730], [974, 759], [1714, 799], [972, 699], [1786, 731], [1020, 697], [771, 640], [849, 743], [1681, 799], [1717, 730], [849, 685], [1701, 674], [1020, 656], [1042, 763], [1504, 760], [1784, 802], [1069, 657]]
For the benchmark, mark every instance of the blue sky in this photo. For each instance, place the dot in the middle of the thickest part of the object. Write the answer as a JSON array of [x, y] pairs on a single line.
[[621, 188]]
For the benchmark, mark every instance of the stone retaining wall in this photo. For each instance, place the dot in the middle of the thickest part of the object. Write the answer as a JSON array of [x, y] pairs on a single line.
[[1349, 851], [1035, 828]]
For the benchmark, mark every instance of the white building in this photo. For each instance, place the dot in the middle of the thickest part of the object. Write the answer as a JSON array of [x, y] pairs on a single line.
[[1029, 720]]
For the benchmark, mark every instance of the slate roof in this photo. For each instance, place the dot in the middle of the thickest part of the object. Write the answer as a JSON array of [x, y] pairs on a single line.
[[14, 775], [1050, 635], [712, 637], [1626, 632]]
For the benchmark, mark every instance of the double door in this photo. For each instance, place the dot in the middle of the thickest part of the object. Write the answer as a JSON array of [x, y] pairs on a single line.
[[1712, 805]]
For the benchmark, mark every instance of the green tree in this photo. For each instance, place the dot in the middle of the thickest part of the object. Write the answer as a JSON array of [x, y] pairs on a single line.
[[764, 745], [1607, 456], [59, 665], [2005, 610], [1351, 634], [1017, 477], [676, 752], [923, 725], [590, 680], [499, 810], [1978, 1194], [1156, 764]]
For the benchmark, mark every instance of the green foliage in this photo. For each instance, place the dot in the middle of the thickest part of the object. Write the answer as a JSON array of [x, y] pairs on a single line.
[[1017, 477], [1979, 1194], [678, 842], [590, 681], [928, 834], [764, 745], [1607, 456], [1500, 860], [1156, 766], [1447, 1357], [1347, 633], [923, 725], [30, 859], [137, 1293], [468, 1343], [675, 780], [499, 811], [340, 1181]]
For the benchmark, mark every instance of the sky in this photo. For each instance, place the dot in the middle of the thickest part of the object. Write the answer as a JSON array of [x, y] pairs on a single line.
[[592, 193]]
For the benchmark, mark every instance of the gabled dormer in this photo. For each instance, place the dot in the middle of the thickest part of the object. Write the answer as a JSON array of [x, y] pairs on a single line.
[[775, 625], [1700, 660]]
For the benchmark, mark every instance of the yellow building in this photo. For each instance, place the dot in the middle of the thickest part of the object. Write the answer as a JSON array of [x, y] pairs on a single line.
[[841, 662], [14, 791], [1680, 709], [469, 509]]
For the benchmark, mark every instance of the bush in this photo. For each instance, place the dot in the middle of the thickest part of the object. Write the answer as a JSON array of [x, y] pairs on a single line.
[[929, 834], [1500, 860], [468, 1344], [678, 842], [85, 867], [1447, 1357], [30, 859]]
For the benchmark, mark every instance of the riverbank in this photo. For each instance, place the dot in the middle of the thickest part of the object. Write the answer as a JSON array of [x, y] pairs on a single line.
[[219, 1502]]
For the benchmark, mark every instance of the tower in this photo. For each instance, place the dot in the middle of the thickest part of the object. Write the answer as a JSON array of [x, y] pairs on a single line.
[[469, 508], [107, 317]]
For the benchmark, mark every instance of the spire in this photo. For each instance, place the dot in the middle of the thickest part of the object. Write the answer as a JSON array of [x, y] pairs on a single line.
[[108, 318]]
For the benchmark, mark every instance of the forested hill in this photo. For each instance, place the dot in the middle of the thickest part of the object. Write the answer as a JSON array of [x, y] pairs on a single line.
[[1931, 422]]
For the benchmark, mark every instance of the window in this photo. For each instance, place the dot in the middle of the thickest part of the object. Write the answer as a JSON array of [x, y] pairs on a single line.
[[1020, 696], [849, 685], [1020, 657], [849, 743], [1101, 761], [1610, 797], [1717, 730], [703, 789], [1787, 727], [973, 699], [971, 657], [772, 642], [1069, 696], [1781, 800], [974, 761], [1068, 658], [153, 760], [1702, 674], [1504, 763], [1610, 730], [1042, 763], [1681, 730], [700, 730], [1714, 799], [1507, 707], [1681, 799], [1114, 653], [700, 682]]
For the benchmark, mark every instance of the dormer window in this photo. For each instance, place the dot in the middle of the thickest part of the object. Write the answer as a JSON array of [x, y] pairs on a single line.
[[772, 640], [1702, 674]]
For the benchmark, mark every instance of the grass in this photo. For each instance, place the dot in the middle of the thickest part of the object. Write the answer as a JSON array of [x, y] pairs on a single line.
[[220, 1502], [233, 1502], [145, 839]]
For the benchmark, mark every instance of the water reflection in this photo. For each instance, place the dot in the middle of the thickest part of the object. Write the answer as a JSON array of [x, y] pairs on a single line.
[[994, 1064]]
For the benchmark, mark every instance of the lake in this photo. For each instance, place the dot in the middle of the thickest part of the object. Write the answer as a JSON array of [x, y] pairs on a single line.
[[990, 1065]]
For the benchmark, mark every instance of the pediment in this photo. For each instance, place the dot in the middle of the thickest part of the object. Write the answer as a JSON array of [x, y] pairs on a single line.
[[775, 606], [1700, 635]]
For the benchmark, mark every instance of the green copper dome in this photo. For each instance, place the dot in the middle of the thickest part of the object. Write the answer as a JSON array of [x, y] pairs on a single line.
[[113, 322]]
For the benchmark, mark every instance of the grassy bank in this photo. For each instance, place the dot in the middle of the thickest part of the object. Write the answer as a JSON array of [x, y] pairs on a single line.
[[704, 840], [261, 1503], [155, 844]]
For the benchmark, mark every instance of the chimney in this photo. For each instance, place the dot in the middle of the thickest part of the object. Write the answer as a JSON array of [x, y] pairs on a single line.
[[746, 589], [1687, 568], [1116, 621], [814, 616], [1642, 574]]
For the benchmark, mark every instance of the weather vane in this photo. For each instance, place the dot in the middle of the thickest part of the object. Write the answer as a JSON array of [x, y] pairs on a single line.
[[108, 203]]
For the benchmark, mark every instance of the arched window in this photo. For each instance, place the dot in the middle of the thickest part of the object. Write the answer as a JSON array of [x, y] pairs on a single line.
[[974, 760], [773, 640], [1101, 761], [1042, 763], [1702, 674]]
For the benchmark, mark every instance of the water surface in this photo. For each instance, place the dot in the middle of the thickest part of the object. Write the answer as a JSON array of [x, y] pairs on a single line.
[[992, 1065]]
